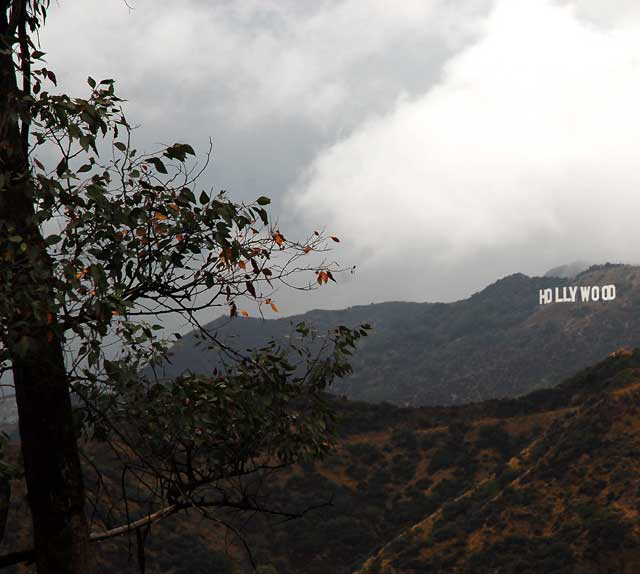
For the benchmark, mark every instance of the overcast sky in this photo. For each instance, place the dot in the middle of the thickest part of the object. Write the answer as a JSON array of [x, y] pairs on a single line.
[[447, 143]]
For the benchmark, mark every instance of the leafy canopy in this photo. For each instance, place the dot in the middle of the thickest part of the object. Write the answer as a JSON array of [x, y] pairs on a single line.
[[131, 239]]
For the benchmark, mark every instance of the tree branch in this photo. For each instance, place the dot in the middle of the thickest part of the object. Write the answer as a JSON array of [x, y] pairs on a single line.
[[29, 555], [144, 521]]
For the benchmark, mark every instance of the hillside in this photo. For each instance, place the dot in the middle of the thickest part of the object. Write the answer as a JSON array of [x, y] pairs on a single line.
[[498, 343], [548, 482], [567, 502]]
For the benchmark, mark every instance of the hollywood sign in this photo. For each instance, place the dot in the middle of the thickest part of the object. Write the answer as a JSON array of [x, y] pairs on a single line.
[[577, 293]]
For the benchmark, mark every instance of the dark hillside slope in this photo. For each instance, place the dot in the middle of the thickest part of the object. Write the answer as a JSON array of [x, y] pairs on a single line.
[[567, 502], [498, 343], [544, 483]]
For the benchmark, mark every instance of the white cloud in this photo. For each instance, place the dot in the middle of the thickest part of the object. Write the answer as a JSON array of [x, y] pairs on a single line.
[[528, 144], [272, 81], [621, 13], [519, 154], [257, 59]]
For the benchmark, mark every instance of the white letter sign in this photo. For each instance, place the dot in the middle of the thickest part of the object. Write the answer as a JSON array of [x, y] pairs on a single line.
[[587, 293]]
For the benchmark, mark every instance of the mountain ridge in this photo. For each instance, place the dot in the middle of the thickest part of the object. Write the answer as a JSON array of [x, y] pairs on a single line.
[[566, 503], [500, 342], [546, 482]]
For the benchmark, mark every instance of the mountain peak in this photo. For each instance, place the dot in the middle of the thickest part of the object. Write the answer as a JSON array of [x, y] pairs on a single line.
[[500, 342], [569, 270]]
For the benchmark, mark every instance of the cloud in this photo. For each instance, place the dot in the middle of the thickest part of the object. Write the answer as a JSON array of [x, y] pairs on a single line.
[[446, 143], [527, 147], [272, 81], [622, 13]]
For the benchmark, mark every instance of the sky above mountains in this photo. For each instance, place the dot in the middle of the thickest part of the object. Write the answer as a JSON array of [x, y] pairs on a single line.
[[446, 143]]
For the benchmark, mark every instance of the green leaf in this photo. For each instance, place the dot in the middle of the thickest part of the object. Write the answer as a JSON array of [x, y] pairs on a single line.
[[61, 167], [87, 141], [86, 167], [91, 82], [123, 148], [263, 215], [186, 197], [98, 274], [52, 239], [179, 151], [157, 163], [263, 200], [204, 198]]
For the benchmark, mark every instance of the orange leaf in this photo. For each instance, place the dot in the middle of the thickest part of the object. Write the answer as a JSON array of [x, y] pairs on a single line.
[[159, 216], [242, 265], [278, 238], [159, 228], [244, 313], [307, 249], [115, 313], [179, 237], [49, 317], [273, 306], [335, 239]]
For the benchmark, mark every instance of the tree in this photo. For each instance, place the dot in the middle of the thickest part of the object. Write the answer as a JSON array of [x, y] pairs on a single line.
[[27, 302], [92, 246]]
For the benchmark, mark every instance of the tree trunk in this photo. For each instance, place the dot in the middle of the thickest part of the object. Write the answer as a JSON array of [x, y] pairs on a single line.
[[5, 500], [48, 440], [52, 466]]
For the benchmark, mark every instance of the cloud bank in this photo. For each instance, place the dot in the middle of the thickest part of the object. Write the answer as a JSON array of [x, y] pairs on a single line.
[[525, 150], [272, 81], [446, 143]]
